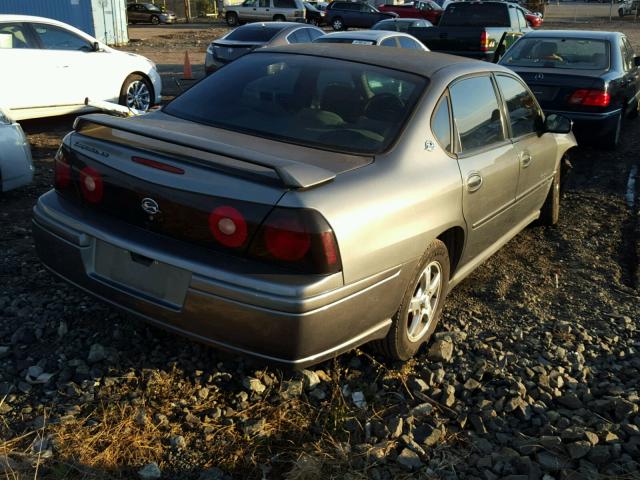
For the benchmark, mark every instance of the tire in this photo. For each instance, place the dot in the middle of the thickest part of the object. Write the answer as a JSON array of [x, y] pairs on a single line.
[[550, 211], [314, 22], [399, 344], [612, 139], [337, 24], [232, 19], [621, 12], [279, 18], [133, 93], [155, 19]]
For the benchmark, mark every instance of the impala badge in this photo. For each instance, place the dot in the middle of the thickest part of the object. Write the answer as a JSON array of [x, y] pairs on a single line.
[[538, 76], [150, 206]]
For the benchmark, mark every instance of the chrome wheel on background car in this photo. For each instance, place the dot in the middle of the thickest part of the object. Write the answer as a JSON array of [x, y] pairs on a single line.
[[337, 24], [423, 304], [136, 93]]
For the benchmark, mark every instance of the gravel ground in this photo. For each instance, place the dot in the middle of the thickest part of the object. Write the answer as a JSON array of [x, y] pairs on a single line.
[[532, 374]]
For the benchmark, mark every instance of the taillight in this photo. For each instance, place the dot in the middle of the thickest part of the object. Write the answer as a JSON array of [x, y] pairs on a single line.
[[91, 184], [484, 42], [297, 238], [228, 226], [590, 98], [62, 171]]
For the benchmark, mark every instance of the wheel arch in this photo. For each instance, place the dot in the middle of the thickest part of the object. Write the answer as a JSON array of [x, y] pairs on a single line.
[[454, 239], [147, 78]]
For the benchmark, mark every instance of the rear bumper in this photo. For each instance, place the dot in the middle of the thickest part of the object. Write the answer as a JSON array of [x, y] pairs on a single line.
[[592, 124], [282, 318]]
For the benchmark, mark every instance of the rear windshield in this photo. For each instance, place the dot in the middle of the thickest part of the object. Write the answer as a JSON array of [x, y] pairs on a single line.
[[253, 34], [565, 53], [463, 14], [321, 102], [355, 41]]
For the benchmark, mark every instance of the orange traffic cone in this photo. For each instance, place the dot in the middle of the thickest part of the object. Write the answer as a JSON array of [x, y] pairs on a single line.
[[187, 74]]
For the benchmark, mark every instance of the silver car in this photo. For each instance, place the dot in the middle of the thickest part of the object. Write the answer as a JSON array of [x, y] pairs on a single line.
[[305, 199], [16, 166], [265, 11], [383, 38]]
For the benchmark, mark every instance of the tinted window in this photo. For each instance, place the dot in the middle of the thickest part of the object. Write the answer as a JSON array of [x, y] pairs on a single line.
[[571, 53], [476, 112], [284, 3], [406, 42], [389, 42], [279, 96], [263, 3], [441, 124], [313, 33], [253, 34], [388, 25], [54, 38], [476, 14], [299, 36], [13, 35], [523, 112]]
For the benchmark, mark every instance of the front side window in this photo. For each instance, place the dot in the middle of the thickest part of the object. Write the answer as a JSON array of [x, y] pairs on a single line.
[[14, 35], [263, 3], [441, 124], [476, 112], [312, 101], [523, 111], [250, 3], [152, 8], [55, 38]]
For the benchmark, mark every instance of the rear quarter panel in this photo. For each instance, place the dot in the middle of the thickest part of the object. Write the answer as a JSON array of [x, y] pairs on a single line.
[[385, 214]]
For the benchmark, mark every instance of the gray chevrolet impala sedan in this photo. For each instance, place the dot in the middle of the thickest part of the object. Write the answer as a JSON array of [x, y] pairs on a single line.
[[306, 199]]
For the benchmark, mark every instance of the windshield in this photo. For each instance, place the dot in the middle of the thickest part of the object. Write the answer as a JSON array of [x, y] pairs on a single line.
[[253, 34], [312, 101], [152, 8], [462, 14], [566, 53]]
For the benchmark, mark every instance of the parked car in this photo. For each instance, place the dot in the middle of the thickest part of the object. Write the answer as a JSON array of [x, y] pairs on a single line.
[[245, 39], [473, 29], [401, 24], [304, 200], [49, 68], [16, 166], [591, 77], [344, 15], [265, 11], [148, 13], [534, 19], [383, 38], [629, 7], [425, 9], [313, 15]]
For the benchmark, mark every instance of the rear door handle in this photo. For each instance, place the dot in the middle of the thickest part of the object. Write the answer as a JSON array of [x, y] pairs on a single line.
[[474, 181]]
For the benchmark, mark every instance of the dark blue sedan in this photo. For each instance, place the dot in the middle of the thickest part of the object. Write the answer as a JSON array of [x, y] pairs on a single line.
[[591, 77]]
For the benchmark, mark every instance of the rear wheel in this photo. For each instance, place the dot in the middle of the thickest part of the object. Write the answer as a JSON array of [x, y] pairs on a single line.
[[419, 312], [550, 211], [232, 19], [337, 24], [137, 93], [279, 18]]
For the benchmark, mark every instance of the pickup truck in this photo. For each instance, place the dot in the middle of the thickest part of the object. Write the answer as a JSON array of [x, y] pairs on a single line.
[[426, 9], [473, 29]]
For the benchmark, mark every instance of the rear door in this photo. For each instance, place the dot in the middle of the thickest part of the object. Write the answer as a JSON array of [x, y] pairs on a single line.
[[536, 154], [487, 162]]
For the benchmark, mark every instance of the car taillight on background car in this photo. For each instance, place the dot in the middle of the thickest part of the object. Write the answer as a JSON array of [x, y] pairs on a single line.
[[298, 238], [590, 98], [484, 42]]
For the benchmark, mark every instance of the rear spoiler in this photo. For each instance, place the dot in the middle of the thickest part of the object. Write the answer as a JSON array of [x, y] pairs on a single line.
[[291, 174]]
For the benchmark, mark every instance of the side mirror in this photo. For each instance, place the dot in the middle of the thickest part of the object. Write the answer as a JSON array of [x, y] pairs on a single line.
[[636, 61], [556, 123], [96, 46]]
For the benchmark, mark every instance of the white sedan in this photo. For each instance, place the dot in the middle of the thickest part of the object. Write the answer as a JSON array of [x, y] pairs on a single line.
[[16, 167], [49, 68]]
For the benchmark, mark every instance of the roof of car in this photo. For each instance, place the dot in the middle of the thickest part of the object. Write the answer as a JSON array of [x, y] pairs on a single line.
[[405, 59], [573, 34], [402, 20], [275, 25]]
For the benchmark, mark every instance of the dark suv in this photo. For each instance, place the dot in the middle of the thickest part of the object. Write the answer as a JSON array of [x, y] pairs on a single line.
[[342, 15]]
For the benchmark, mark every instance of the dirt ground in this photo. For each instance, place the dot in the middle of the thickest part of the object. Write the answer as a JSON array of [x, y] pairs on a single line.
[[542, 381]]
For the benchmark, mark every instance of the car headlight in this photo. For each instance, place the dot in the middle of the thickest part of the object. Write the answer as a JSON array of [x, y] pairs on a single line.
[[4, 118]]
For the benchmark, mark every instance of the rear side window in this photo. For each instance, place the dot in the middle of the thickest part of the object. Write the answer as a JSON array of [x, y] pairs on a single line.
[[441, 124], [406, 42], [523, 111], [389, 42], [476, 112], [299, 36], [284, 4], [14, 35], [55, 38]]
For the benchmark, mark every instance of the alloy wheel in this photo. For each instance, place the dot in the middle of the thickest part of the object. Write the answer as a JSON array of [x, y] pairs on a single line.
[[138, 96], [424, 302]]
